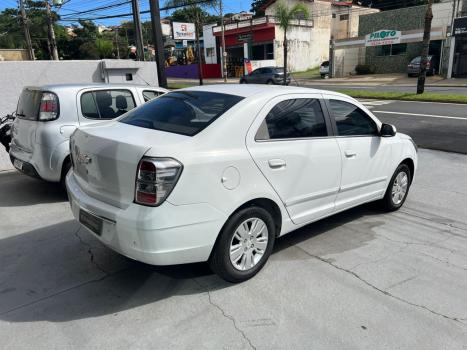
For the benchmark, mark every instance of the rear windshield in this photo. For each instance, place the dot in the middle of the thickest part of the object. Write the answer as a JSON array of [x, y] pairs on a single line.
[[29, 104], [181, 112]]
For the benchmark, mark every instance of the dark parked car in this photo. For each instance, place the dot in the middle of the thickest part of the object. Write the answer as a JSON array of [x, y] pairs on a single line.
[[413, 69], [266, 75]]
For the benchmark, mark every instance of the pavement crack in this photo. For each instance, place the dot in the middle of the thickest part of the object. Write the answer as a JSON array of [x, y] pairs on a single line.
[[382, 291], [90, 252], [96, 280], [231, 318]]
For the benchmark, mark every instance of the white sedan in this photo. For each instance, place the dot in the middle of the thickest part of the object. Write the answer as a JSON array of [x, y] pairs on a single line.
[[217, 173]]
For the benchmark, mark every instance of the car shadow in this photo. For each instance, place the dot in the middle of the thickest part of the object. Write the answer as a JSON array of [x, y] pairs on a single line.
[[17, 189], [61, 272]]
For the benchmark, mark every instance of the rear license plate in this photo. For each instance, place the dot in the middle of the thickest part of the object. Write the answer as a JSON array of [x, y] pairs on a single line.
[[18, 164], [92, 222]]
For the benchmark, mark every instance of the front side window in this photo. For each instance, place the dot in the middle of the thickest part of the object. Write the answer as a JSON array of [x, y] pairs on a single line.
[[351, 120], [106, 104], [297, 118], [182, 112]]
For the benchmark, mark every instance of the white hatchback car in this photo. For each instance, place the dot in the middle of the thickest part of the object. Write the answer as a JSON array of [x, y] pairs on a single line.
[[47, 115], [216, 173]]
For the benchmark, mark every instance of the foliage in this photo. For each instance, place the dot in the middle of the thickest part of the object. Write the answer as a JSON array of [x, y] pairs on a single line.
[[406, 96], [256, 7], [284, 16]]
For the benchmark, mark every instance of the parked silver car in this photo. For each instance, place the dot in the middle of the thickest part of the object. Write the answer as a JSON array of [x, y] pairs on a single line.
[[46, 116]]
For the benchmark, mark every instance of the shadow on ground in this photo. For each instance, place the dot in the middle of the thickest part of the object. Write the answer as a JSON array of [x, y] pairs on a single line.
[[19, 190], [61, 273]]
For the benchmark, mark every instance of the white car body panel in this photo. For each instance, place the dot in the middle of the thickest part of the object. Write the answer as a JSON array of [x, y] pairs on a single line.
[[224, 168]]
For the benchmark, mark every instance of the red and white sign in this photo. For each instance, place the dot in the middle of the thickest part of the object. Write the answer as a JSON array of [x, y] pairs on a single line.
[[184, 31]]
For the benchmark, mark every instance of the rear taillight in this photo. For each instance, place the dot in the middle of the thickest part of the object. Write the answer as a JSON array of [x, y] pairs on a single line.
[[155, 179], [49, 107]]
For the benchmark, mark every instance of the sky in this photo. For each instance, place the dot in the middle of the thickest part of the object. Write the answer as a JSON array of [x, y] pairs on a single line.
[[73, 6]]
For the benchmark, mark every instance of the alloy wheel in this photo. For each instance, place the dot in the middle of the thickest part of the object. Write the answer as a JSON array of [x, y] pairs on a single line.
[[248, 244], [399, 188]]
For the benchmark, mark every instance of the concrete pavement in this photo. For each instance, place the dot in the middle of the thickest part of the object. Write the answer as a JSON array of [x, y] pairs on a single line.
[[359, 280]]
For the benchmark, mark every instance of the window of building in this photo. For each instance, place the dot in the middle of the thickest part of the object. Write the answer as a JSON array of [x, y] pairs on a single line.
[[344, 17], [334, 15], [351, 120], [106, 104], [391, 50], [262, 52], [210, 52], [297, 118]]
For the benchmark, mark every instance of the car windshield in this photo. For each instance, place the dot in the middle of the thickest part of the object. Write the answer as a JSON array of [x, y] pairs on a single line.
[[181, 112]]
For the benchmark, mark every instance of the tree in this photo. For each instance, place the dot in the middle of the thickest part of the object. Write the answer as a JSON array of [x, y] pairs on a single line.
[[425, 49], [284, 16], [195, 10], [257, 7]]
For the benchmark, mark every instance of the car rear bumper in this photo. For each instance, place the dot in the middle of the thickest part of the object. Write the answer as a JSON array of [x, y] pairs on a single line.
[[39, 160], [166, 235]]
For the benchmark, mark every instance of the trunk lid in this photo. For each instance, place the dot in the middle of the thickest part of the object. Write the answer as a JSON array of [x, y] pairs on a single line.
[[106, 158]]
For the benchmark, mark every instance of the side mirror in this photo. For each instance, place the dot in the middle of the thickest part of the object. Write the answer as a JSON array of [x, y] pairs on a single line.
[[388, 130]]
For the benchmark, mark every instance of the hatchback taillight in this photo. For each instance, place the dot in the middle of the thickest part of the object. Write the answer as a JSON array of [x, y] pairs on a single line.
[[155, 179], [49, 107]]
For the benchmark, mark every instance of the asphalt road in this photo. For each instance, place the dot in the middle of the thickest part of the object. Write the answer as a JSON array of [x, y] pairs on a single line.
[[359, 280], [438, 126]]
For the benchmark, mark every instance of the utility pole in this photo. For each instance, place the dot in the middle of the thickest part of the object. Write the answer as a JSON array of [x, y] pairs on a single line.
[[51, 33], [425, 49], [198, 47], [116, 42], [224, 53], [158, 42], [138, 30], [27, 35]]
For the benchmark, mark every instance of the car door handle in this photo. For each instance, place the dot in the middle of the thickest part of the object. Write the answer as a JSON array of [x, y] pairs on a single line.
[[350, 154], [276, 163]]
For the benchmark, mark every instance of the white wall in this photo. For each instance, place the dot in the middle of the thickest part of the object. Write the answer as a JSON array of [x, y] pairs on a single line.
[[209, 42], [14, 75], [345, 60], [308, 47]]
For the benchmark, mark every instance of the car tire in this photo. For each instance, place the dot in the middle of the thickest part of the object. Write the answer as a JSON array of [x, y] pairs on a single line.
[[270, 82], [226, 261], [243, 81], [398, 189], [65, 169]]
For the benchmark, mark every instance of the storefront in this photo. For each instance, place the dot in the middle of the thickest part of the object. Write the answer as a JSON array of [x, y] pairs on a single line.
[[252, 39], [389, 40]]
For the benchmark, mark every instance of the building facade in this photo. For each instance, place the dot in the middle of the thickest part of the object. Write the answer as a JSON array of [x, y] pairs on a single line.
[[393, 56]]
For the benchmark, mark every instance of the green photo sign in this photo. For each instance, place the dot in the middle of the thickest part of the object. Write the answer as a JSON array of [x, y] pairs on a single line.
[[383, 37]]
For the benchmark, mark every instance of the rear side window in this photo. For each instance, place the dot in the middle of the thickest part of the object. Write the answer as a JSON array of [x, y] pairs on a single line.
[[28, 104], [106, 104], [351, 120], [149, 95], [292, 119], [182, 112]]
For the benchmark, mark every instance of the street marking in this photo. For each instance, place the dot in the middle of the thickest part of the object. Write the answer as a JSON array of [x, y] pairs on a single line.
[[421, 115], [373, 104]]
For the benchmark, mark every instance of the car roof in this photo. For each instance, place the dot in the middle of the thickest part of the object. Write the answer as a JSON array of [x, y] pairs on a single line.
[[248, 90], [80, 86]]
